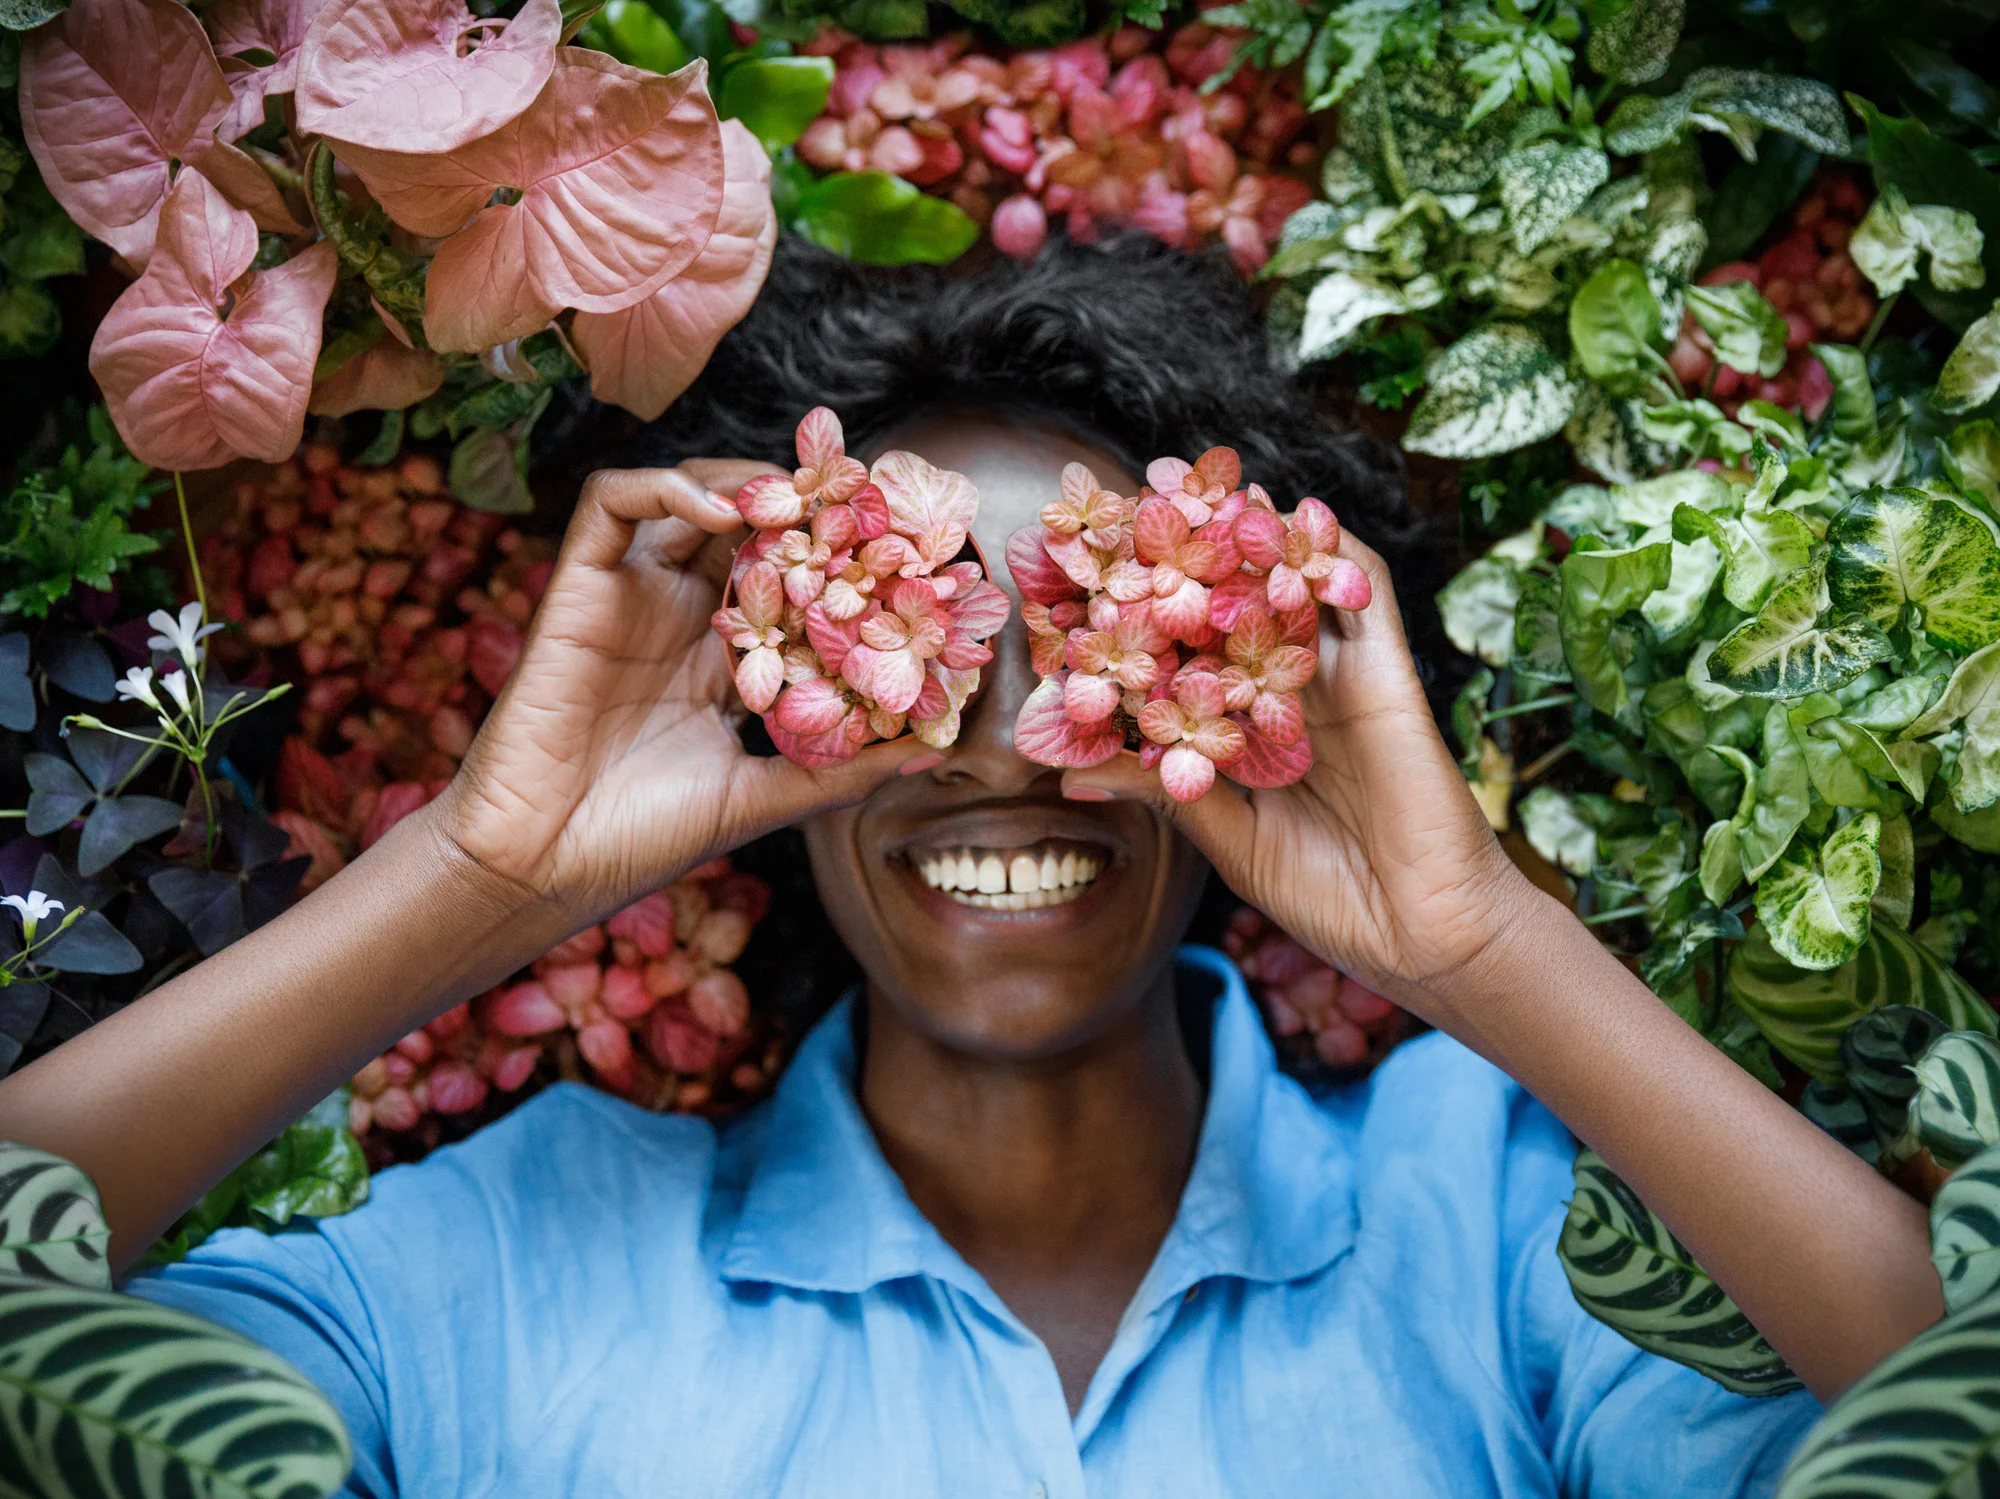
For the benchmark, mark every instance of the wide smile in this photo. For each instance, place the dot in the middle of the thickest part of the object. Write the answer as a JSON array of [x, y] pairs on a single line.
[[1022, 877]]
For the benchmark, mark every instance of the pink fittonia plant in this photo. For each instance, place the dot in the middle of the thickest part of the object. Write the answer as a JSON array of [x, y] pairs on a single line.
[[851, 618], [481, 181], [1181, 623]]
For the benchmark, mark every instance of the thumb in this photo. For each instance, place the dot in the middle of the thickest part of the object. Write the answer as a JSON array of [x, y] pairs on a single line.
[[783, 793], [1221, 822]]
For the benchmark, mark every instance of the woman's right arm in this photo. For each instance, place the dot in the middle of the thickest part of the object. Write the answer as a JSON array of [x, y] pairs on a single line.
[[608, 767]]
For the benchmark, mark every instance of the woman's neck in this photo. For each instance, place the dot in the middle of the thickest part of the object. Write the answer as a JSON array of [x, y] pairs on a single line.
[[1056, 1179]]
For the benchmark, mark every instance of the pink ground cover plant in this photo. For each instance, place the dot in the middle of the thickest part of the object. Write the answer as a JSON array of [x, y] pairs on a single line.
[[1181, 623], [852, 617]]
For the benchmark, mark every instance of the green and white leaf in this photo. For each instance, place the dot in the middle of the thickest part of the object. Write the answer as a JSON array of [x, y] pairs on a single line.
[[1628, 1270], [1976, 830], [1721, 867], [1970, 453], [1879, 1056], [1784, 796], [1758, 549], [1972, 699], [1971, 374], [1854, 415], [1728, 99], [51, 1223], [1609, 436], [1684, 600], [1543, 184], [1905, 763], [1497, 389], [1965, 1232], [1477, 607], [1813, 904], [1634, 45], [1341, 306], [1879, 459], [1748, 332], [1672, 257], [1697, 427], [1786, 652], [1956, 1111], [107, 1395], [1837, 1111], [1896, 549], [1887, 243], [1549, 820], [1406, 121]]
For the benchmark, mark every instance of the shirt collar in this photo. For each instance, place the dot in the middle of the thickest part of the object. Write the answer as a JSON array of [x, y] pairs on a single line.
[[1270, 1198]]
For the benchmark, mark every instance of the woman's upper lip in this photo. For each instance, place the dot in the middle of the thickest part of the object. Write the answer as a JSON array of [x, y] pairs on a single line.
[[1010, 826]]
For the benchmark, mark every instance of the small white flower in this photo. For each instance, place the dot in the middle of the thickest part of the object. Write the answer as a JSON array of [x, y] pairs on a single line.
[[33, 907], [176, 683], [182, 636], [138, 686]]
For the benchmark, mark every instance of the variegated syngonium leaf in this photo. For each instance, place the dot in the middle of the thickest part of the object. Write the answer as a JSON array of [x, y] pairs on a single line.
[[1971, 698], [1758, 548], [1598, 586], [1628, 1270], [1477, 607], [1814, 901], [1898, 549], [1971, 374], [1786, 651], [51, 1225], [1886, 243], [1965, 1231], [105, 1394], [1497, 389], [1956, 1111]]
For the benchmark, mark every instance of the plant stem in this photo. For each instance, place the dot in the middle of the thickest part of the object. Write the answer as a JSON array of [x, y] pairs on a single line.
[[1539, 767], [1618, 915], [1875, 324], [187, 532], [1561, 699]]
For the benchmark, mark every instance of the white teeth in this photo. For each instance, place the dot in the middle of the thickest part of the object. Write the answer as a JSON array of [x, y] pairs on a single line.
[[992, 875], [968, 872], [1023, 874], [1009, 881], [1050, 872], [1066, 875]]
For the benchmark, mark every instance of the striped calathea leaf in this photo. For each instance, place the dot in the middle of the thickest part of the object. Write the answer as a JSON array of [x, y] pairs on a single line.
[[1840, 1112], [1628, 1271], [51, 1226], [1965, 1231], [1922, 1424], [1956, 1111], [1903, 552], [1805, 1013], [1814, 902], [1879, 1054], [1789, 649]]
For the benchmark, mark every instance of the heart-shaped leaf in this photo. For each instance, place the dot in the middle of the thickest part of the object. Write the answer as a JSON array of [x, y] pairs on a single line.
[[1614, 322], [775, 97], [198, 367], [276, 28], [57, 795], [1814, 901], [405, 75], [1971, 698], [1749, 333], [1497, 389], [1898, 549], [17, 693], [111, 94], [383, 377], [1759, 547], [116, 823], [1786, 652], [643, 357], [620, 176], [77, 663], [51, 1224], [208, 904], [1599, 585]]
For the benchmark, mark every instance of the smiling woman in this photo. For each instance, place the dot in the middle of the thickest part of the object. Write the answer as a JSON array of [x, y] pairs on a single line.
[[1033, 1211]]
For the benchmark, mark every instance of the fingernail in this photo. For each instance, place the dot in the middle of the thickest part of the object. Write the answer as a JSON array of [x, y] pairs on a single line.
[[721, 501], [918, 764], [1087, 794]]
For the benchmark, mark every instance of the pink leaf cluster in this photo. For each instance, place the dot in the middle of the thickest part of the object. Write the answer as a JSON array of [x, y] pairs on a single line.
[[541, 180], [1182, 623], [1102, 133], [1343, 1022], [851, 619]]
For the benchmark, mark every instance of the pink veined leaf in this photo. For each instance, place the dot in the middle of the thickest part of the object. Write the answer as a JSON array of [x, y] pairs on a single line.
[[1234, 594], [383, 377], [932, 506], [761, 595], [981, 612], [1279, 716], [833, 639], [1166, 475], [274, 26], [1034, 572], [1260, 536], [819, 441], [1184, 612], [190, 385], [1047, 735], [643, 357], [759, 675], [1072, 554], [894, 681], [112, 91], [1186, 773], [1264, 765], [819, 751], [769, 500], [620, 176], [1345, 587], [810, 708], [399, 75], [1219, 468], [1088, 699], [1159, 531]]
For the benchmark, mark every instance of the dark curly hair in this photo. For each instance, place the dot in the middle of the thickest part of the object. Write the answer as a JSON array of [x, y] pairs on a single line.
[[1139, 349]]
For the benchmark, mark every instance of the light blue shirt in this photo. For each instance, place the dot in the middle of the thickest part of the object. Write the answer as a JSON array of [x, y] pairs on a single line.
[[1359, 1296]]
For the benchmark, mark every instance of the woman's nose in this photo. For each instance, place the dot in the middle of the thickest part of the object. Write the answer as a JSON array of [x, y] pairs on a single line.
[[985, 749]]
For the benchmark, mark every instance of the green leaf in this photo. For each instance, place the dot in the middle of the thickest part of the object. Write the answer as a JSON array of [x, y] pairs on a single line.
[[1970, 454], [1614, 326], [39, 239], [1699, 427], [876, 219], [1550, 821], [1737, 102], [1628, 1270], [1813, 904], [26, 15], [1634, 45], [1598, 587], [1837, 1111], [1409, 122], [1478, 607], [1888, 241], [1544, 184], [489, 472], [1956, 1111], [1971, 698], [1853, 393], [1879, 1056], [1898, 549], [1339, 307], [1976, 830], [51, 1224], [1804, 1013], [775, 97], [105, 1394], [1965, 1232], [1785, 652], [1758, 548], [1497, 389], [314, 1171], [1971, 374], [1930, 169], [1922, 1424], [1748, 332], [30, 322], [1538, 652]]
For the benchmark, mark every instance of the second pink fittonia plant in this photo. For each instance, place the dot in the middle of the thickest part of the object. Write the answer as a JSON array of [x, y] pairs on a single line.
[[1182, 623], [473, 181], [852, 618]]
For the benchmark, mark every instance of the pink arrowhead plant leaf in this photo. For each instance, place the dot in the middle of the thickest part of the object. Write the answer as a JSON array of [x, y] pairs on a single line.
[[112, 92], [200, 362], [383, 377], [274, 26], [420, 75], [643, 357], [619, 172]]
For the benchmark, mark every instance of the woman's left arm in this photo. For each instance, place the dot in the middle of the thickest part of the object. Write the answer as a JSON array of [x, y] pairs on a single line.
[[1381, 862]]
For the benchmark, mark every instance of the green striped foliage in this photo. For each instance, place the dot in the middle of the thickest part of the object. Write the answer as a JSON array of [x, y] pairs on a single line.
[[104, 1396], [1630, 1273], [1804, 1014], [51, 1226], [1956, 1111], [1879, 1053], [1840, 1112], [1965, 1231], [1923, 1424]]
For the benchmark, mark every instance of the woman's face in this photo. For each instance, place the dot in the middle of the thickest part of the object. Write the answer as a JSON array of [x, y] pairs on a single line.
[[1093, 896]]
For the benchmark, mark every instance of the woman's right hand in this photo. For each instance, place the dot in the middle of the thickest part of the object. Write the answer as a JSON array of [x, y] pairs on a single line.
[[611, 763]]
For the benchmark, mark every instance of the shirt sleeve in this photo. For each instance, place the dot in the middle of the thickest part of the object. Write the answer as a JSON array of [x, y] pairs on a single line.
[[1616, 1421], [292, 1293]]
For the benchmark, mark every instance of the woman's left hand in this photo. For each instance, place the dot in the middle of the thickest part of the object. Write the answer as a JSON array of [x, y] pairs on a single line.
[[1380, 860]]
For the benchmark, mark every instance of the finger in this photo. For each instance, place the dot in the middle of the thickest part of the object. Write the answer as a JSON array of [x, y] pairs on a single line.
[[784, 793], [727, 475], [1220, 823], [683, 513]]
